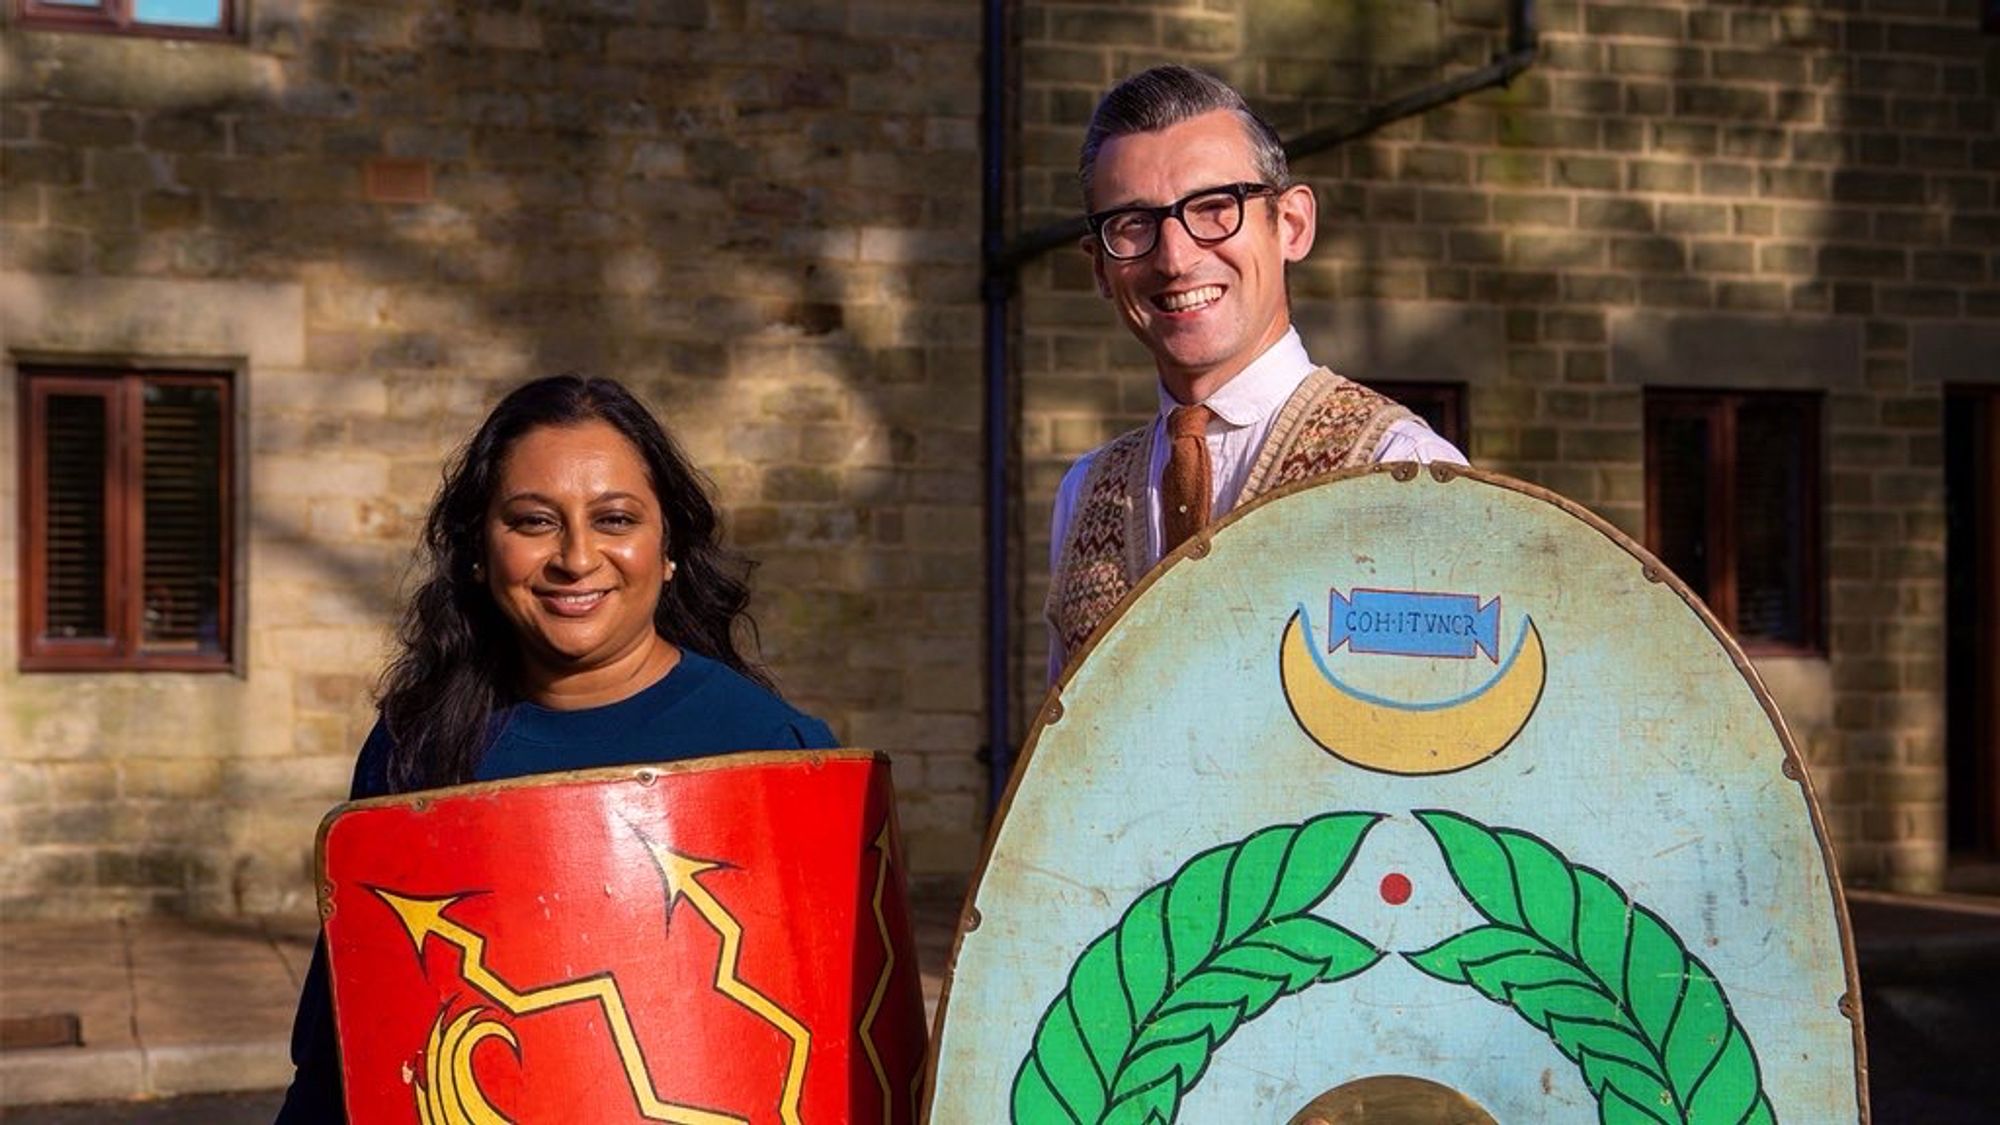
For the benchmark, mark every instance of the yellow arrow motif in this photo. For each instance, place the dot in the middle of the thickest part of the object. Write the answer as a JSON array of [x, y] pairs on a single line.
[[424, 917], [682, 875]]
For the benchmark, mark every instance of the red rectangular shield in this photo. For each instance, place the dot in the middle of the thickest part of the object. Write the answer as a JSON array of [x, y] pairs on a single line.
[[723, 940]]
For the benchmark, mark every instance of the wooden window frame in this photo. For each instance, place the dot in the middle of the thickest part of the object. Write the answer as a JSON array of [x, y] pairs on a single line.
[[114, 17], [123, 392], [1719, 409], [1450, 396]]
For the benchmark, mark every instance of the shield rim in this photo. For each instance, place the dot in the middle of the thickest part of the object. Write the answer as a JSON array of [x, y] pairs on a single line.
[[643, 773], [1195, 548]]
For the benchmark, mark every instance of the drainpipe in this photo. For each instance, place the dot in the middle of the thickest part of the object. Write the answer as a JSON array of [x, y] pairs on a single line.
[[996, 286], [1002, 261]]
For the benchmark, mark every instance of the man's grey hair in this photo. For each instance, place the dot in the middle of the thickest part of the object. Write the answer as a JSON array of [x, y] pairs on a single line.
[[1165, 96]]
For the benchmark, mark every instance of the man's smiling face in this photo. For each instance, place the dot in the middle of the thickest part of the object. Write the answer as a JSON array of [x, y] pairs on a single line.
[[1204, 310]]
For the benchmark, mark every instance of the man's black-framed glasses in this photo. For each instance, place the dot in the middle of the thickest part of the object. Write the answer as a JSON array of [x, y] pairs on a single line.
[[1209, 215]]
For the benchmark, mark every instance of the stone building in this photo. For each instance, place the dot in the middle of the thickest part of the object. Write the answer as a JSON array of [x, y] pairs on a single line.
[[323, 237], [371, 218], [1683, 218]]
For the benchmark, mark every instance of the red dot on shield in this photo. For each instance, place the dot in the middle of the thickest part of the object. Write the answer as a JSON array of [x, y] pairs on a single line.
[[1395, 888]]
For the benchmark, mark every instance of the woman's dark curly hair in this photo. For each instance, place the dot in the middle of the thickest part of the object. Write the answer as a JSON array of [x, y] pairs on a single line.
[[455, 663]]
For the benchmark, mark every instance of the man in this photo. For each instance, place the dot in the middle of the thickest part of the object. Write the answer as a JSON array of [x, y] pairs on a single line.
[[1193, 217]]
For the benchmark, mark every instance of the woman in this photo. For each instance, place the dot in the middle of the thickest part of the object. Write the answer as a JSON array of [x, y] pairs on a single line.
[[576, 610]]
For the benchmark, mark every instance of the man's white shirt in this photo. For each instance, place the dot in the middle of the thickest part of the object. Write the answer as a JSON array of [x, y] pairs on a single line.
[[1245, 409]]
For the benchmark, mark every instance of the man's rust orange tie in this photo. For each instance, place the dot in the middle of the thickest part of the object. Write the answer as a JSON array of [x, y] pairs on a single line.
[[1184, 487]]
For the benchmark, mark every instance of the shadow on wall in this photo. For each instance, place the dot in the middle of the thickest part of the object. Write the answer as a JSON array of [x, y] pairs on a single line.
[[1707, 196], [752, 216]]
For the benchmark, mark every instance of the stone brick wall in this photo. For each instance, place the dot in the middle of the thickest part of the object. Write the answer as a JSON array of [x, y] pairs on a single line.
[[1713, 193], [381, 214], [764, 216]]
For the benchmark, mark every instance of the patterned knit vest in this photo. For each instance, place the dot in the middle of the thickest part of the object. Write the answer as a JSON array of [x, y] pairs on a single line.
[[1329, 423]]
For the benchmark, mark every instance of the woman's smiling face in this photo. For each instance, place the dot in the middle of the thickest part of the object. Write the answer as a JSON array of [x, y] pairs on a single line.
[[576, 552]]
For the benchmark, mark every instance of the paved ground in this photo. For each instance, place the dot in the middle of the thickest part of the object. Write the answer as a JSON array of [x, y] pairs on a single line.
[[1930, 986], [191, 1019], [256, 1108], [166, 1006]]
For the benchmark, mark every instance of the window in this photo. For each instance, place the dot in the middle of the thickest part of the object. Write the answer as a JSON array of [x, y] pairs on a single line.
[[126, 552], [1441, 405], [1732, 507], [195, 19]]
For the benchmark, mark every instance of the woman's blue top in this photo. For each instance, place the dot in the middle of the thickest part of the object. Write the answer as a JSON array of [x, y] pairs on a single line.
[[699, 708]]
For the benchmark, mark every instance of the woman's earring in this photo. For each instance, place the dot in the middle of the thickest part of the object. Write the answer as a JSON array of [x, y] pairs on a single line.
[[671, 567], [479, 572]]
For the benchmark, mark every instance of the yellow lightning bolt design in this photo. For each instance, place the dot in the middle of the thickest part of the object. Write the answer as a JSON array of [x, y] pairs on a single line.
[[882, 982], [425, 917], [681, 873]]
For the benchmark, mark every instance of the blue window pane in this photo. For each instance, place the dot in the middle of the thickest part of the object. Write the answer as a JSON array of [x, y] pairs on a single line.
[[179, 13]]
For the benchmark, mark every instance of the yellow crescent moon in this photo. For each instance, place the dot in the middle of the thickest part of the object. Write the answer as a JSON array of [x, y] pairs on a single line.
[[1410, 738]]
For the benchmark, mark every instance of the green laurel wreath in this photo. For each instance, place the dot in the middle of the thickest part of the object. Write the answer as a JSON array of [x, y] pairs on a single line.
[[1610, 984], [1193, 959]]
